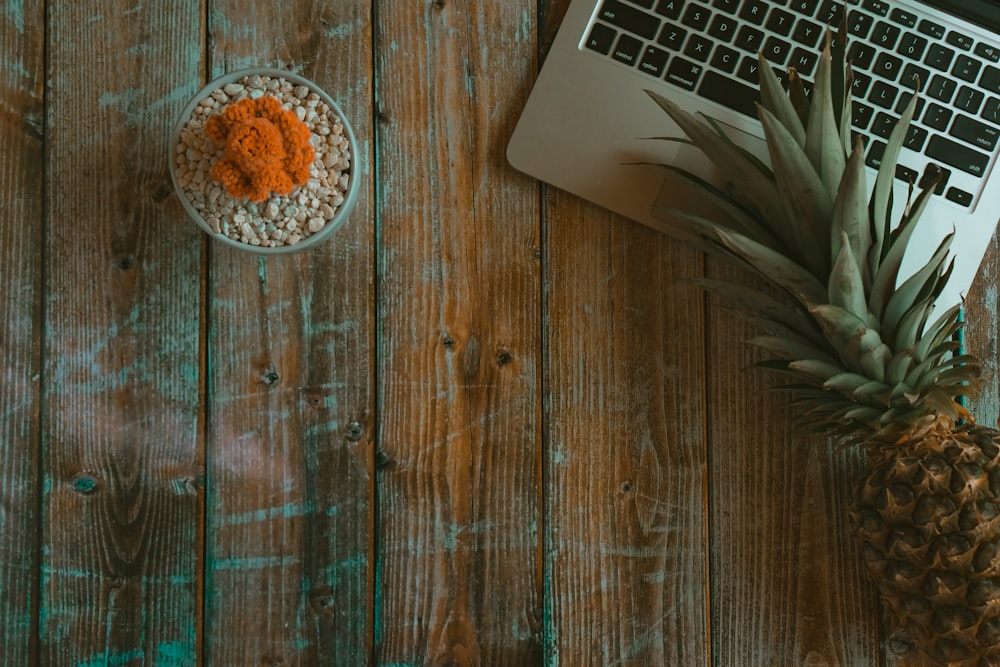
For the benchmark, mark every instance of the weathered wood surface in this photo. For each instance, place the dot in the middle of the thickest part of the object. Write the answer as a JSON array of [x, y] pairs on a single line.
[[459, 357], [121, 447], [291, 406], [22, 118], [486, 424]]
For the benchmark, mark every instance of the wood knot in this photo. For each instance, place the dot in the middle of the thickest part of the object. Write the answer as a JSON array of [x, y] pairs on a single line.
[[85, 485]]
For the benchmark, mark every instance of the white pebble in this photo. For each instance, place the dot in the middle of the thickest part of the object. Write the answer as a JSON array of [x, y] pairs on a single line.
[[233, 88], [316, 224]]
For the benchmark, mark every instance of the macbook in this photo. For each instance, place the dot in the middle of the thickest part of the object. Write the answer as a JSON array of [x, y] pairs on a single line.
[[587, 124]]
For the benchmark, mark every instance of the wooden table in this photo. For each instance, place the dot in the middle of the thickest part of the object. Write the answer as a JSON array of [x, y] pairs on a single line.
[[486, 424]]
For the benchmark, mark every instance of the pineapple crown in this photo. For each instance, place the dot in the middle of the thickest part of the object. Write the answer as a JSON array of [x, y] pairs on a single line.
[[862, 351]]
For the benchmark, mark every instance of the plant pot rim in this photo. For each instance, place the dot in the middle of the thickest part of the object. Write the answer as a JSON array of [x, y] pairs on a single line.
[[354, 182]]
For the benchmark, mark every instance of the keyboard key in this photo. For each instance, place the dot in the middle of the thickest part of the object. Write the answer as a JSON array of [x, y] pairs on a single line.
[[725, 59], [807, 33], [861, 55], [960, 197], [776, 50], [696, 16], [939, 57], [859, 24], [876, 7], [780, 21], [884, 125], [684, 73], [903, 17], [627, 50], [749, 39], [730, 93], [904, 100], [672, 37], [960, 40], [991, 111], [987, 51], [698, 47], [861, 115], [914, 76], [906, 174], [723, 28], [803, 61], [646, 4], [888, 66], [931, 29], [654, 61], [969, 99], [728, 6], [831, 13], [670, 8], [806, 7], [601, 38], [957, 155], [978, 134], [885, 35], [754, 11], [875, 153], [748, 70], [991, 79], [937, 117], [860, 86], [915, 138], [629, 18], [942, 88], [966, 68], [931, 172], [883, 94], [912, 46]]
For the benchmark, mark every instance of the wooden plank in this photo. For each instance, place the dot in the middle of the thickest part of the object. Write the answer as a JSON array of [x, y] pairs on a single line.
[[626, 566], [625, 461], [982, 315], [121, 436], [459, 515], [22, 77], [788, 586], [292, 406]]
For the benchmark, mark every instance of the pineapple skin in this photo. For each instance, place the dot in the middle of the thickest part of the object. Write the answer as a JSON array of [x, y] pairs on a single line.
[[928, 517]]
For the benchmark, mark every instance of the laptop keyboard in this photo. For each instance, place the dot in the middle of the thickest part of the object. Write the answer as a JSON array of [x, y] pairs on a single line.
[[709, 48]]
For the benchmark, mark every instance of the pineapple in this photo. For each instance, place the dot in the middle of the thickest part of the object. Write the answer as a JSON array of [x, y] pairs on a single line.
[[867, 360]]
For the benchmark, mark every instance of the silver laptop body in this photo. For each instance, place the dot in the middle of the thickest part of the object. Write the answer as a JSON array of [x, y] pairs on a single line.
[[587, 121]]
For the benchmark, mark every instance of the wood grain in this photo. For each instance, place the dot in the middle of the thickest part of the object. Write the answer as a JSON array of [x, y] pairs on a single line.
[[459, 516], [982, 334], [291, 414], [21, 151], [121, 439], [788, 586], [625, 515]]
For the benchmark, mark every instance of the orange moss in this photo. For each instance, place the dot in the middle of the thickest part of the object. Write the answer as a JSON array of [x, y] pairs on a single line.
[[267, 148]]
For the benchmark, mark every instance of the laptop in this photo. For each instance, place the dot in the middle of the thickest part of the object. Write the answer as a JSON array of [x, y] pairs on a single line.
[[588, 122]]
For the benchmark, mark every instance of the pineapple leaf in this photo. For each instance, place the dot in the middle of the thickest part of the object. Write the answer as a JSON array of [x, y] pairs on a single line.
[[794, 279], [850, 212], [846, 287], [774, 99], [880, 206], [758, 184], [765, 305], [899, 365], [824, 146], [790, 349], [915, 289], [745, 221], [797, 96], [805, 197], [817, 368]]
